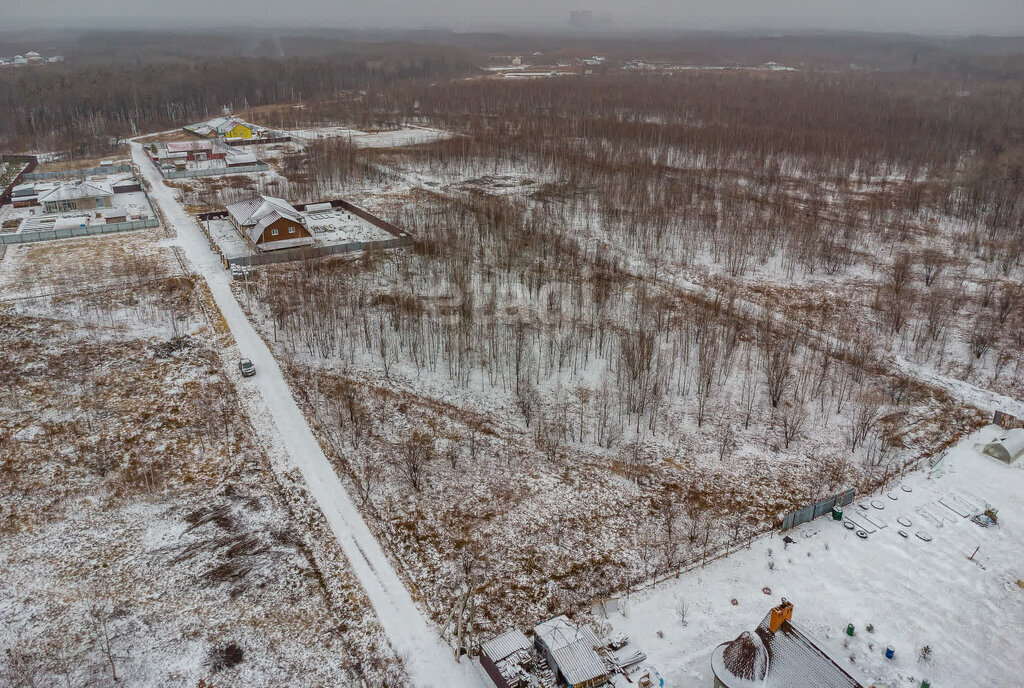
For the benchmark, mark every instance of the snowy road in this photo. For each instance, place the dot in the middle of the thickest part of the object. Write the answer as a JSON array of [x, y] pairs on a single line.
[[428, 659]]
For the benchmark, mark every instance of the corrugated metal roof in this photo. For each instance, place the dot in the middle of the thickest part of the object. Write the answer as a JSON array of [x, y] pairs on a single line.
[[257, 213], [76, 190], [242, 159], [578, 662], [506, 644], [179, 146], [559, 632]]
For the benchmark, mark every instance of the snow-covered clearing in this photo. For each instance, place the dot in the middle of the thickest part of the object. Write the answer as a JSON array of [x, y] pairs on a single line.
[[429, 661], [144, 535], [914, 593], [338, 226], [406, 136]]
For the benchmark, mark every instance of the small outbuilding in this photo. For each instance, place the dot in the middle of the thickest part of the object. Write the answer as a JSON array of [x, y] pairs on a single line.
[[506, 657], [571, 652], [113, 216], [24, 195], [194, 150], [1008, 447]]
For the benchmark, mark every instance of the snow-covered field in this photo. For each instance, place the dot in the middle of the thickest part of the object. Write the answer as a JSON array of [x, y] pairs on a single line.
[[914, 593], [338, 226], [405, 136], [227, 238]]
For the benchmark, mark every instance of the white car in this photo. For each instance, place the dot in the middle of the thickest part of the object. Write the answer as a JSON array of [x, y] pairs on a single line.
[[246, 367]]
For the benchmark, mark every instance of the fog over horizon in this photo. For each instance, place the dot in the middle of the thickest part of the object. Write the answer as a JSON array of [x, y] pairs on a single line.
[[944, 17]]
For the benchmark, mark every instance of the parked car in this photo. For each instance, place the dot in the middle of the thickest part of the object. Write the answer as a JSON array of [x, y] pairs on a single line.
[[246, 367]]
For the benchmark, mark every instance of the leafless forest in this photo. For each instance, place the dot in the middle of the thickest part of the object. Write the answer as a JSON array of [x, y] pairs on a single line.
[[646, 315]]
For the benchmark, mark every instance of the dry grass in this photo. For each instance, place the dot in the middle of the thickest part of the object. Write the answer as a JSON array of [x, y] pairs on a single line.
[[134, 484], [79, 163]]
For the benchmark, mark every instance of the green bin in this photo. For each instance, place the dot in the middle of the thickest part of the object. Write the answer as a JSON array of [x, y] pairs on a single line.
[[837, 513]]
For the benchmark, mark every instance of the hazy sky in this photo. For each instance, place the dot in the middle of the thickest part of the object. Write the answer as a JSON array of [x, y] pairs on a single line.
[[923, 16]]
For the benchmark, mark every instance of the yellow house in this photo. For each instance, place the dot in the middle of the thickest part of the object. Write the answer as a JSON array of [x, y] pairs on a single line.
[[238, 131], [230, 128]]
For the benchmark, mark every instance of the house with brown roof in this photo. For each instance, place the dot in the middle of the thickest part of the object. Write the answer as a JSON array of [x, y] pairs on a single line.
[[777, 654], [269, 223]]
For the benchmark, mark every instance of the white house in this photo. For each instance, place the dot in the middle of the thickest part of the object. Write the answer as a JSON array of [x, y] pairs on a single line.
[[80, 195]]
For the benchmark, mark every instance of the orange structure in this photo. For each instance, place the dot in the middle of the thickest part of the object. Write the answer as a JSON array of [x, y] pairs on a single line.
[[784, 612]]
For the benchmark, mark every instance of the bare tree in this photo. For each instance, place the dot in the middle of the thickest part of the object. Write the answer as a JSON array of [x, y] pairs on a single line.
[[777, 363], [932, 263], [865, 415], [794, 416], [107, 633], [682, 610], [707, 361], [528, 401], [365, 472], [415, 454]]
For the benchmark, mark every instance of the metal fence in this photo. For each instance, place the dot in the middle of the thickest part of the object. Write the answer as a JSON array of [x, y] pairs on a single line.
[[1007, 421], [72, 232], [795, 518], [212, 172], [63, 174], [256, 142], [305, 253]]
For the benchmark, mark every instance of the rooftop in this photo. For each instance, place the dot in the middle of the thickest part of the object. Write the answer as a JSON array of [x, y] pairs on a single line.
[[560, 632], [578, 662], [256, 213], [185, 146], [786, 658], [506, 644], [75, 190]]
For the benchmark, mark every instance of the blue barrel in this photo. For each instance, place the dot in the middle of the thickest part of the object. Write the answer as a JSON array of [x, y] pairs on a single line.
[[889, 652]]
